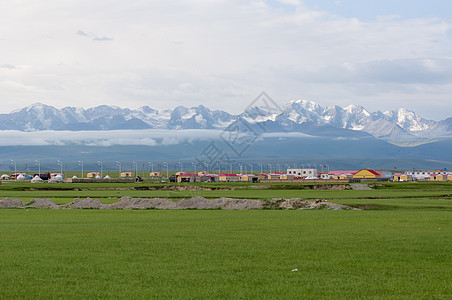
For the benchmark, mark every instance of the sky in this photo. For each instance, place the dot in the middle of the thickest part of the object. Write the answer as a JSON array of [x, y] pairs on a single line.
[[223, 53]]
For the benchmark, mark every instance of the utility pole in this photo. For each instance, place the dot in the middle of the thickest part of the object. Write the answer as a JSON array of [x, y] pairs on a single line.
[[81, 163], [61, 167], [165, 163], [101, 168], [38, 163], [119, 168], [15, 168]]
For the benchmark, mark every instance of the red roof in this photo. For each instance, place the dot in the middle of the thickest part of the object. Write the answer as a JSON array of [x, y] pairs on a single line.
[[372, 171], [338, 173]]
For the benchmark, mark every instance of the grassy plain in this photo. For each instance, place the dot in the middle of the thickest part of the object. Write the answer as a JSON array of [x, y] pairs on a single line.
[[398, 249], [391, 195], [401, 254]]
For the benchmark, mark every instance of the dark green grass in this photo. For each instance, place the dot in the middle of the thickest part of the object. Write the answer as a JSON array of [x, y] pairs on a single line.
[[429, 195], [401, 254], [108, 190]]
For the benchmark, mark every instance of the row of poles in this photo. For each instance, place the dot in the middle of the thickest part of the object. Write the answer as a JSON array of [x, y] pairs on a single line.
[[180, 164]]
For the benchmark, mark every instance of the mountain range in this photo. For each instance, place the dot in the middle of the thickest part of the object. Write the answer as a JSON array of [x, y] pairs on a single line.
[[296, 116]]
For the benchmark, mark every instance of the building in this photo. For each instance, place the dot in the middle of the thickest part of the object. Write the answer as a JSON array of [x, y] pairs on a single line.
[[287, 176], [155, 174], [126, 174], [274, 176], [188, 178], [226, 177], [366, 174], [301, 173], [386, 174], [326, 176], [443, 176], [247, 177], [403, 177], [210, 178], [93, 175], [340, 174], [420, 175]]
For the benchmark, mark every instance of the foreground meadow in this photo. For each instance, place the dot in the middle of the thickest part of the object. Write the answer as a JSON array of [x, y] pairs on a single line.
[[398, 254], [399, 247]]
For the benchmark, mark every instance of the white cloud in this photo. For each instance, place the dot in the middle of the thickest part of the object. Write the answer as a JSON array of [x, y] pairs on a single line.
[[148, 137], [217, 53]]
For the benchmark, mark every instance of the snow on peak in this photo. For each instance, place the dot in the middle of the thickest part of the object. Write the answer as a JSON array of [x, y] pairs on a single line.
[[41, 117], [37, 106]]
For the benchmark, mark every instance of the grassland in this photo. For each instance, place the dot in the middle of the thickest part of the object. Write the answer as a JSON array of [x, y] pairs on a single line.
[[387, 195], [398, 249]]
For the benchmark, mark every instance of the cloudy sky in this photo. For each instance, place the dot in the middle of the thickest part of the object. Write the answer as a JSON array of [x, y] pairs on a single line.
[[222, 53]]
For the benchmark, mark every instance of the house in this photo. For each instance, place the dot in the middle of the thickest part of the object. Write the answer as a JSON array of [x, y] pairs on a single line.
[[210, 178], [366, 174], [93, 175], [326, 176], [440, 177], [247, 177], [304, 172], [340, 174], [403, 177], [226, 177], [286, 176], [261, 177], [386, 174], [126, 174], [420, 175], [274, 176], [188, 178]]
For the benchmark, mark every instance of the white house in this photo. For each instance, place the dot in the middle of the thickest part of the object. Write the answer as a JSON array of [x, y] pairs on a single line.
[[309, 172], [420, 175]]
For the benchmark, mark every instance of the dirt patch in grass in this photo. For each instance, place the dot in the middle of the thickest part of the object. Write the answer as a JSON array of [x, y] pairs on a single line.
[[141, 203], [297, 203], [11, 203], [42, 203], [191, 203], [84, 203]]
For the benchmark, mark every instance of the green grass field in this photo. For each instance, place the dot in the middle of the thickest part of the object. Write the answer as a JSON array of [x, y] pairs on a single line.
[[400, 248], [225, 254], [385, 195]]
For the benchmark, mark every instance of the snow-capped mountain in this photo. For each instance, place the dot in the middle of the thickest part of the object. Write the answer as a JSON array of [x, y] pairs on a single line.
[[296, 116]]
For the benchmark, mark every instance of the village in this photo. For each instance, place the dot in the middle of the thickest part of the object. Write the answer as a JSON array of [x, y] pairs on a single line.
[[291, 175]]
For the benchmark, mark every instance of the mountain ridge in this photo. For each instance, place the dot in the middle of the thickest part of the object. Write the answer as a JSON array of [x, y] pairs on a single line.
[[296, 115]]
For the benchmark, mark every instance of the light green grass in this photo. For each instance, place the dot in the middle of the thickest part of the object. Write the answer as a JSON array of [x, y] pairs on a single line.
[[402, 254]]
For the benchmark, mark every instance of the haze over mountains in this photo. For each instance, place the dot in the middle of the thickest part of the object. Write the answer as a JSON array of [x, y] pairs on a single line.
[[296, 116], [300, 132]]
